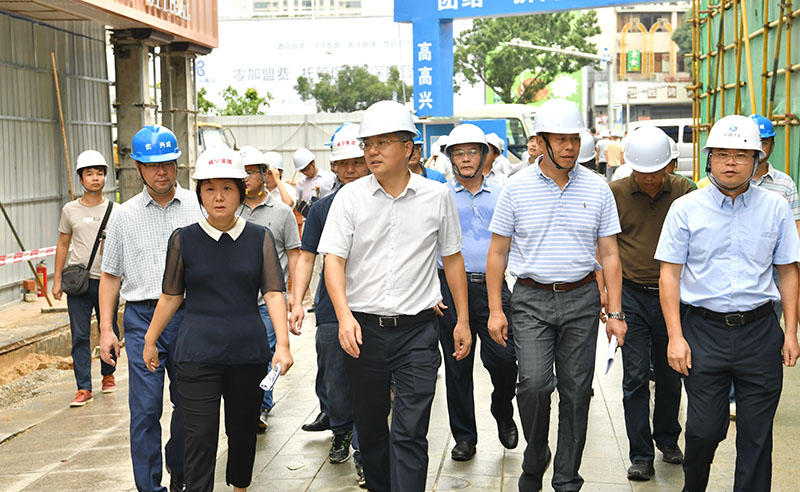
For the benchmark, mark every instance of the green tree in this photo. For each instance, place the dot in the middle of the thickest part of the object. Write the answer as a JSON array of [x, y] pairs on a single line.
[[353, 89], [683, 35], [481, 55], [250, 103], [204, 105]]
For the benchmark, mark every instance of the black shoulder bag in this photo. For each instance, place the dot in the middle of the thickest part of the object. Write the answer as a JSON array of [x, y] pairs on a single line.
[[75, 278]]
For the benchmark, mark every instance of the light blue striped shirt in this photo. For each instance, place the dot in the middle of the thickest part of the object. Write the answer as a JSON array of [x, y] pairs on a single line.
[[727, 248], [136, 242], [553, 231], [782, 184]]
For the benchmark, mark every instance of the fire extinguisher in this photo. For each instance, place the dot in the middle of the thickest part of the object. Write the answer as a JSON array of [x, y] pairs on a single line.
[[41, 272]]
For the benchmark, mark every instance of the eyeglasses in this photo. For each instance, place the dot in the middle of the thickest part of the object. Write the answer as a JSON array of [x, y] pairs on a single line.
[[379, 145], [738, 157], [158, 165], [460, 153]]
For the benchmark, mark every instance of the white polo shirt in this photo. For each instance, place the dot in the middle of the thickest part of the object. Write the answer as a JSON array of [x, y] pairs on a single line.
[[390, 244]]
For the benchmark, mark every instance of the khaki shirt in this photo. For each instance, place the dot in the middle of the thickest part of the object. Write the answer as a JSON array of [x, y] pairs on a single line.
[[82, 223], [641, 218]]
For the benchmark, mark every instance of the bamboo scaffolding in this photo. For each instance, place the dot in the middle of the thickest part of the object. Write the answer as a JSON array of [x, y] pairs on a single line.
[[751, 86], [788, 76]]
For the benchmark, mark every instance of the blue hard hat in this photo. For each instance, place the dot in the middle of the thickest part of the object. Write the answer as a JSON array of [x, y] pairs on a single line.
[[418, 140], [155, 143], [765, 127]]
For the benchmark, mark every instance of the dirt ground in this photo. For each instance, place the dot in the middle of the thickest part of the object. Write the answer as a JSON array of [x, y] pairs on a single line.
[[24, 379]]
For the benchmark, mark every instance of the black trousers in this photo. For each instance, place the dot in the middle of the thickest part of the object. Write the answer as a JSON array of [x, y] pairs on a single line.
[[647, 334], [750, 357], [200, 387], [394, 461], [501, 362]]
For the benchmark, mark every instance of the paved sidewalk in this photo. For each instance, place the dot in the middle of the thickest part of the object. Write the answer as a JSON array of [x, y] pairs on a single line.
[[56, 448]]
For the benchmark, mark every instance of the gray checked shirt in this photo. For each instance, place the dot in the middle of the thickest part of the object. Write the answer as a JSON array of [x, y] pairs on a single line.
[[136, 241]]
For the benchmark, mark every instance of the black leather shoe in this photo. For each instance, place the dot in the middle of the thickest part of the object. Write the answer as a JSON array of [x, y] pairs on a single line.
[[463, 451], [641, 471], [321, 423], [671, 453], [177, 484], [508, 434]]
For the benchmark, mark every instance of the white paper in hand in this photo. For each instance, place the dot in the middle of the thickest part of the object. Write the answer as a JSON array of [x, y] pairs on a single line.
[[612, 349], [272, 376]]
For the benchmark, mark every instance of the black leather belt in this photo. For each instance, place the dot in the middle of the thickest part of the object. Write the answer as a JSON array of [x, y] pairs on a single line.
[[557, 286], [154, 302], [735, 319], [476, 277], [647, 289], [397, 321]]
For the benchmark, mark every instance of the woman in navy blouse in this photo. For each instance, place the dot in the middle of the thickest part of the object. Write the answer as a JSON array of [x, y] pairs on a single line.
[[220, 264]]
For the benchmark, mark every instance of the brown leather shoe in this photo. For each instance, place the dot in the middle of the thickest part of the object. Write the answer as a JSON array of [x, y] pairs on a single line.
[[109, 384], [82, 397]]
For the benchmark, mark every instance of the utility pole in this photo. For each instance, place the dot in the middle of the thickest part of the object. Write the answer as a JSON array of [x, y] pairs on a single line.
[[609, 60]]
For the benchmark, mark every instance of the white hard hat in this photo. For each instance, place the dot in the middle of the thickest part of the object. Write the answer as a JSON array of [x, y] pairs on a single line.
[[734, 132], [673, 148], [302, 158], [345, 143], [90, 158], [588, 150], [386, 117], [466, 133], [274, 159], [496, 141], [648, 149], [219, 162], [558, 116], [251, 156], [604, 134]]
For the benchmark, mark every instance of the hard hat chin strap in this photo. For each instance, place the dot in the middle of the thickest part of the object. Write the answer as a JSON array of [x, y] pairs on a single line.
[[724, 188], [551, 156], [477, 171], [169, 190]]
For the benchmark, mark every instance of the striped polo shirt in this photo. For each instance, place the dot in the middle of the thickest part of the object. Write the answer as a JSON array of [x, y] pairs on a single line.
[[782, 184], [553, 231]]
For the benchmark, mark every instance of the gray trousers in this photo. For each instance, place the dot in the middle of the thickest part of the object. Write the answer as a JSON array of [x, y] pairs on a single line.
[[554, 330]]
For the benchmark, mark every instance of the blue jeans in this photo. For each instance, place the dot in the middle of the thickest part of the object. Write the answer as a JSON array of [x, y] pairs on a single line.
[[647, 332], [80, 324], [145, 399], [554, 330], [268, 402]]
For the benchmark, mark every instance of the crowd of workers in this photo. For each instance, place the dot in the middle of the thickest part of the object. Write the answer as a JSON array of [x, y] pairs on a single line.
[[418, 260]]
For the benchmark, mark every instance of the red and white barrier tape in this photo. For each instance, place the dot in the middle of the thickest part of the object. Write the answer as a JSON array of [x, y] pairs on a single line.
[[26, 255]]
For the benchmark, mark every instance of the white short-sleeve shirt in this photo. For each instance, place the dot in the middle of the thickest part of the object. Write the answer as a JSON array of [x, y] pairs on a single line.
[[390, 244]]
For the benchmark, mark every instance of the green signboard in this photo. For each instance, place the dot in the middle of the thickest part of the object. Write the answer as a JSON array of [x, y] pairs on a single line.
[[633, 61]]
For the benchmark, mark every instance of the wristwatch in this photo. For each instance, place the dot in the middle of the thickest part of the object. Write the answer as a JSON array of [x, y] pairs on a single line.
[[620, 315]]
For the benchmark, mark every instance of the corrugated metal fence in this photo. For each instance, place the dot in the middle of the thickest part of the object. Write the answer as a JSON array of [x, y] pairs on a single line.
[[33, 175], [286, 133]]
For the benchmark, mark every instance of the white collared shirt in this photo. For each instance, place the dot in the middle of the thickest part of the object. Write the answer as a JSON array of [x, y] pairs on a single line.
[[390, 244], [214, 233]]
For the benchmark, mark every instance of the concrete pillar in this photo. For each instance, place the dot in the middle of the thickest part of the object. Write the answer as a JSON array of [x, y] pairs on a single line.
[[134, 102], [179, 111]]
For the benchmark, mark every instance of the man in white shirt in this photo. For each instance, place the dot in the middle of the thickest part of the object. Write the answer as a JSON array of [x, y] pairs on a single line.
[[273, 179], [314, 183], [381, 241]]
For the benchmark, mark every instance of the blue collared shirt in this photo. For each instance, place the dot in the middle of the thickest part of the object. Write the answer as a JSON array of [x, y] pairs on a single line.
[[475, 214], [553, 231], [433, 174], [727, 248]]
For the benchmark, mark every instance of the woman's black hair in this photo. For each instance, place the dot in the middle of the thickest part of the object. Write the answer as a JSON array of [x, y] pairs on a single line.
[[239, 185]]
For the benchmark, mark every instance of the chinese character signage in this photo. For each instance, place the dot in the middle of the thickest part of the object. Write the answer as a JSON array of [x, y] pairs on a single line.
[[433, 66], [633, 61]]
